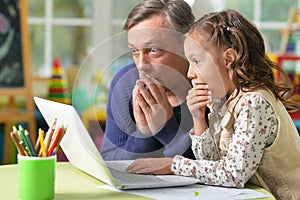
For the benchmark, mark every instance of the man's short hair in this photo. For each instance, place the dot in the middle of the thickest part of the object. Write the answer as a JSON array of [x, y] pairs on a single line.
[[177, 13]]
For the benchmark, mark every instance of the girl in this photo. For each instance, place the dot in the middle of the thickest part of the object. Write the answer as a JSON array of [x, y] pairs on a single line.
[[251, 136]]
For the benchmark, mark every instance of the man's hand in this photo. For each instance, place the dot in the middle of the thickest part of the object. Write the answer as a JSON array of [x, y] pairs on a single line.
[[151, 107], [151, 166]]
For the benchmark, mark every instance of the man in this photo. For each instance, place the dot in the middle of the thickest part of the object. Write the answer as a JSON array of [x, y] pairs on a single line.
[[146, 111]]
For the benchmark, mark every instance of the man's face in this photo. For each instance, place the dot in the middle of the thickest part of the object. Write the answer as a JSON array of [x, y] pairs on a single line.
[[158, 51]]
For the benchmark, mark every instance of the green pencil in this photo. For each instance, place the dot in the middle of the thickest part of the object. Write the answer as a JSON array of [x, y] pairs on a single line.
[[25, 140]]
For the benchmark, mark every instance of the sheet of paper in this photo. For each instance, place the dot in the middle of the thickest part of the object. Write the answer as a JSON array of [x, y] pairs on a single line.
[[193, 192]]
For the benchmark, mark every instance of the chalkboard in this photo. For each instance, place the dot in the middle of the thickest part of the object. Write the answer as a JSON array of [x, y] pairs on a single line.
[[15, 73], [11, 57]]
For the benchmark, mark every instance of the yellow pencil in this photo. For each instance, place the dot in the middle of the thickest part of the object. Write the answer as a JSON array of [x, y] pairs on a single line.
[[41, 136]]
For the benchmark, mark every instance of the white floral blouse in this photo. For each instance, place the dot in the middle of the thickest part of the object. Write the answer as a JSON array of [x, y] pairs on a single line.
[[255, 128]]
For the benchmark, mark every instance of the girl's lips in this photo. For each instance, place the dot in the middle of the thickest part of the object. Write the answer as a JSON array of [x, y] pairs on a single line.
[[193, 83], [197, 83]]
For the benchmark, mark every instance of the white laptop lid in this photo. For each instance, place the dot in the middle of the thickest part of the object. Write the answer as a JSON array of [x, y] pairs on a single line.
[[82, 152], [76, 143]]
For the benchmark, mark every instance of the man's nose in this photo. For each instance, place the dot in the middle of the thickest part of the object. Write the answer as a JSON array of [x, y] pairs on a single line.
[[143, 59]]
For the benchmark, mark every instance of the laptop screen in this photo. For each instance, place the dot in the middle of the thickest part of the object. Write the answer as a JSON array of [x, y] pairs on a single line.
[[77, 143]]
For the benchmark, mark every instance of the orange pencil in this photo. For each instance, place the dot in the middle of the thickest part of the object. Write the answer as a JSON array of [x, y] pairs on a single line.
[[54, 141], [48, 138], [59, 139]]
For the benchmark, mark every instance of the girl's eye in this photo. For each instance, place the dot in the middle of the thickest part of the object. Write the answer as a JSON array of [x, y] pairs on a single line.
[[196, 61]]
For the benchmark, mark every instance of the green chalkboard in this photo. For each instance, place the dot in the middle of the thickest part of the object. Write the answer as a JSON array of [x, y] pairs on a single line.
[[15, 73], [11, 57]]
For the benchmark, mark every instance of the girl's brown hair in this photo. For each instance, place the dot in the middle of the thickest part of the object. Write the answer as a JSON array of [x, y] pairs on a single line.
[[252, 68]]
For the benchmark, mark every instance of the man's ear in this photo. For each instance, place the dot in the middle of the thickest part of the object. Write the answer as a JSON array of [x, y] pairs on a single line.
[[229, 56]]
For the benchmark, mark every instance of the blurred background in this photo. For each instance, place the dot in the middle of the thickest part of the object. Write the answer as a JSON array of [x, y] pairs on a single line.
[[65, 33], [70, 28]]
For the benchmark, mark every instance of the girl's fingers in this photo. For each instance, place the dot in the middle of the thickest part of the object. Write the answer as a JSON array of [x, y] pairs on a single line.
[[201, 97], [199, 92], [135, 166]]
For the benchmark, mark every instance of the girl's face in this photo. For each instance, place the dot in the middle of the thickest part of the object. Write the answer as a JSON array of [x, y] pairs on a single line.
[[203, 68]]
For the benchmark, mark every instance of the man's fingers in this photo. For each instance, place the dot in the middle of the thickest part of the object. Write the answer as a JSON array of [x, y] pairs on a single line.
[[154, 87], [147, 96]]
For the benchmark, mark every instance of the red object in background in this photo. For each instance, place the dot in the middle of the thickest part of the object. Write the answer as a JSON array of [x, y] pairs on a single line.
[[56, 63], [295, 115], [280, 60], [287, 57]]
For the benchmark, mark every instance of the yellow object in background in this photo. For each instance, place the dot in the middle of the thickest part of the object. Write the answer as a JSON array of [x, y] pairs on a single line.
[[93, 113], [273, 57]]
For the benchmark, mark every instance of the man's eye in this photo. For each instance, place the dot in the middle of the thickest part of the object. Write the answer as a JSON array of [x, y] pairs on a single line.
[[153, 50], [134, 50]]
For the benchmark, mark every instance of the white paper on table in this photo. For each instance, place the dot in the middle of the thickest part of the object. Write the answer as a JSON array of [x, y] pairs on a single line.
[[193, 192]]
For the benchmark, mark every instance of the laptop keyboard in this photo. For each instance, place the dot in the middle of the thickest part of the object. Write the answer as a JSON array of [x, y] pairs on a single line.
[[128, 177]]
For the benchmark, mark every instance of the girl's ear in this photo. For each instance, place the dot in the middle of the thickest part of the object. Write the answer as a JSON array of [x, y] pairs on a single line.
[[229, 56]]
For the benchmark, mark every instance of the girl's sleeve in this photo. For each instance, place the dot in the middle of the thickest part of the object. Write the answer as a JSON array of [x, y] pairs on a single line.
[[255, 128], [203, 146]]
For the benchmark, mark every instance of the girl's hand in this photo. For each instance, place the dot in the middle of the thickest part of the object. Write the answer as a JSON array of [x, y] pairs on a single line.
[[198, 98], [151, 166]]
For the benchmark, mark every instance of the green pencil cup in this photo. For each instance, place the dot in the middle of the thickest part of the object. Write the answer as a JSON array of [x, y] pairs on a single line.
[[36, 177]]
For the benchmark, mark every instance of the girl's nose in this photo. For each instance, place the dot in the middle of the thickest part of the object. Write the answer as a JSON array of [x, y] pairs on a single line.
[[191, 72]]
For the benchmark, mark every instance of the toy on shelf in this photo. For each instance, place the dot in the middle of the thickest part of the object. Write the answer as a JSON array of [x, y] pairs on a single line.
[[58, 86], [289, 57], [290, 35]]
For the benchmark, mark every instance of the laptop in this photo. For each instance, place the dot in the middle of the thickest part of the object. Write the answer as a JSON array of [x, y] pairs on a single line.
[[82, 152]]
